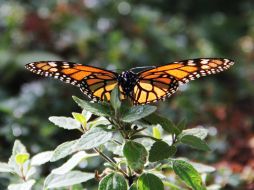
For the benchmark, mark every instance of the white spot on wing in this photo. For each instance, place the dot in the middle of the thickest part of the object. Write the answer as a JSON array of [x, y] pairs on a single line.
[[52, 64], [204, 61], [191, 63]]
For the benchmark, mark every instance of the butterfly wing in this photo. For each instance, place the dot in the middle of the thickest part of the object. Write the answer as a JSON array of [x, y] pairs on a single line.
[[160, 82], [191, 69], [153, 88], [94, 82]]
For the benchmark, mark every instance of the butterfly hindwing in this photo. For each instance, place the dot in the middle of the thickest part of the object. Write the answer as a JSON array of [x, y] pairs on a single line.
[[153, 88], [94, 82], [98, 86]]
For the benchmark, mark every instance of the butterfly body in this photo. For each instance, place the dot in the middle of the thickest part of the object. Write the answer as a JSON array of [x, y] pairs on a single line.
[[143, 87], [127, 80]]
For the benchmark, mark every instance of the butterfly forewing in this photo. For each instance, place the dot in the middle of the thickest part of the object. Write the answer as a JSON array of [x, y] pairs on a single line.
[[191, 69], [94, 82]]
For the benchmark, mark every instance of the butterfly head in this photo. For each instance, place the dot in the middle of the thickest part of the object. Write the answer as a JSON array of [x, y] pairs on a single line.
[[127, 80]]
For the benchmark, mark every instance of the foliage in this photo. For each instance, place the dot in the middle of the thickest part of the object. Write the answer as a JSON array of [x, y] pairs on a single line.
[[131, 168], [118, 35]]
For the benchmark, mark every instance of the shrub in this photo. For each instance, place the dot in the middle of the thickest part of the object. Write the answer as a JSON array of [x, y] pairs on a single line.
[[138, 147]]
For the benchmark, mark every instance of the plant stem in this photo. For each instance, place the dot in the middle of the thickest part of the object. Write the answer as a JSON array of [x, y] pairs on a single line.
[[116, 122], [137, 131], [129, 171], [144, 136], [117, 142], [105, 157], [23, 177], [174, 139]]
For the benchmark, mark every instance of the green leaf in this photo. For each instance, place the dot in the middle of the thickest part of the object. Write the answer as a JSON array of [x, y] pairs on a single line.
[[166, 124], [72, 162], [113, 181], [188, 174], [156, 133], [161, 150], [68, 179], [195, 142], [95, 137], [87, 114], [109, 165], [96, 122], [148, 181], [198, 132], [29, 171], [137, 112], [22, 186], [114, 148], [99, 109], [115, 98], [181, 125], [4, 167], [125, 105], [18, 147], [136, 155], [21, 158], [172, 186], [63, 150], [41, 158], [65, 122], [133, 187], [79, 117]]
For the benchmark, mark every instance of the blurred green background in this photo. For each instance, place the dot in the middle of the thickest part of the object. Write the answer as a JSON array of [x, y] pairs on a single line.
[[119, 35]]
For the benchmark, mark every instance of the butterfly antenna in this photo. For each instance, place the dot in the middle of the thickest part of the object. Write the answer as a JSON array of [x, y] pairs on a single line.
[[143, 67], [118, 70], [135, 68]]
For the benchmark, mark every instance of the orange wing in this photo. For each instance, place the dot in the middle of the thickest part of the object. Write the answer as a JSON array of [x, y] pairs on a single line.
[[153, 88], [191, 69], [94, 82], [160, 82]]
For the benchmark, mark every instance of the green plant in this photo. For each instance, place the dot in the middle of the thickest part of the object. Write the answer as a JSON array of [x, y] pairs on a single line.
[[141, 154]]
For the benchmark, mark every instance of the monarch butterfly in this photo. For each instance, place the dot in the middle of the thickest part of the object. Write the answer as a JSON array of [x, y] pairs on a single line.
[[143, 87]]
